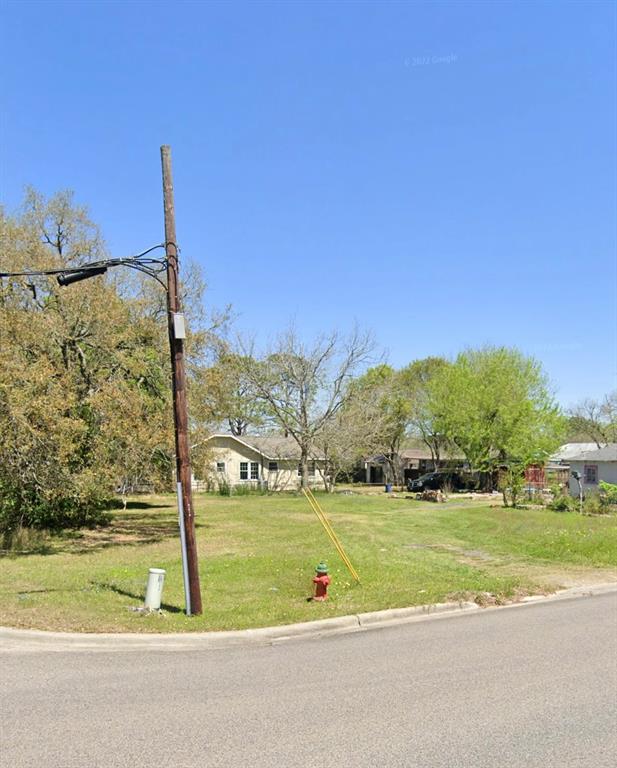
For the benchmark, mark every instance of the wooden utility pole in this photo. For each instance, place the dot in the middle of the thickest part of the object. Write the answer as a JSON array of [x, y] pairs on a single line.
[[176, 344]]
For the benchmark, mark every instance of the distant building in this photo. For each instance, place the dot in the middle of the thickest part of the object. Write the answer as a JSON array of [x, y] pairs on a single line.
[[593, 463], [413, 462], [269, 461]]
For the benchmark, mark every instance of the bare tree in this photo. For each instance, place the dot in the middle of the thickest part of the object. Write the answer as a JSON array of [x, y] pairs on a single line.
[[303, 386], [381, 392], [355, 432], [596, 419]]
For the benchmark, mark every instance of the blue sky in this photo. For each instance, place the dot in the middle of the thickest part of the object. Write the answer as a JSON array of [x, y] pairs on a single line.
[[442, 173]]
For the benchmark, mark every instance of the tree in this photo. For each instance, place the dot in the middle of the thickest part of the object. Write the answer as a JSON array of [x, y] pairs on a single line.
[[80, 375], [355, 432], [595, 419], [303, 386], [228, 395], [495, 405], [417, 381], [84, 374], [382, 393]]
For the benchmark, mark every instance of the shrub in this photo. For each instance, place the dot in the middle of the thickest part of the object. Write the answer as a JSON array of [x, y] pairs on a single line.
[[594, 505], [563, 503], [242, 489], [538, 498], [511, 484], [608, 492], [30, 507], [224, 487]]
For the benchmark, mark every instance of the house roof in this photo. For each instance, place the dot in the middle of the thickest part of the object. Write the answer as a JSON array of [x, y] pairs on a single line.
[[271, 447], [415, 453], [586, 452]]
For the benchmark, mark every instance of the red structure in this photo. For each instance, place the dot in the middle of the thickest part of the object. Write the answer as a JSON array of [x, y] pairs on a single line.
[[535, 476], [321, 580]]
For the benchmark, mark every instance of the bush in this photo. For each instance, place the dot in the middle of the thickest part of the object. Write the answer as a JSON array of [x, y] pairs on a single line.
[[224, 487], [244, 489], [602, 503], [594, 505], [511, 484], [563, 503], [29, 507], [537, 498], [608, 492]]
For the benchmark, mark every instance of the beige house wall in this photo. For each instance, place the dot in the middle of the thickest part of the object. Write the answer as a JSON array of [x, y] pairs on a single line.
[[232, 452]]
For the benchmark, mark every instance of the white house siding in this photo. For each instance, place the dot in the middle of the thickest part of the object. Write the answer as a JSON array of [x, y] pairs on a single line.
[[607, 471], [231, 451]]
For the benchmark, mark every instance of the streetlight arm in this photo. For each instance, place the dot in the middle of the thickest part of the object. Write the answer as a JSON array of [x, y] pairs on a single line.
[[67, 275]]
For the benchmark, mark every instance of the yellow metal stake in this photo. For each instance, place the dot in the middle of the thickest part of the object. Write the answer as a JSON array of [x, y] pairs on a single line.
[[321, 516]]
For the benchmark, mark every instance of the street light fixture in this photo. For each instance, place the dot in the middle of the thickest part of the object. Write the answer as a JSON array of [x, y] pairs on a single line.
[[83, 274]]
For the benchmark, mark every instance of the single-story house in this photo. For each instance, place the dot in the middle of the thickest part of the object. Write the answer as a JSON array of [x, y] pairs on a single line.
[[261, 461], [593, 463]]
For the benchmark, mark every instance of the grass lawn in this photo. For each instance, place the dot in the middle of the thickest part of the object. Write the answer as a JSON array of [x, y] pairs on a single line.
[[258, 554]]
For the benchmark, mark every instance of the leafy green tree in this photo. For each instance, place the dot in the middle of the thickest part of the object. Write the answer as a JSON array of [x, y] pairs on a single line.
[[416, 382], [495, 405]]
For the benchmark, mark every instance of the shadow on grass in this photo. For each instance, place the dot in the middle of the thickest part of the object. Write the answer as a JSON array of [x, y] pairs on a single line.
[[144, 505], [41, 549], [124, 530], [125, 593]]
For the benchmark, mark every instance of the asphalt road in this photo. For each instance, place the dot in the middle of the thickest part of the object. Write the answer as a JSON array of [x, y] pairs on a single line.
[[529, 686]]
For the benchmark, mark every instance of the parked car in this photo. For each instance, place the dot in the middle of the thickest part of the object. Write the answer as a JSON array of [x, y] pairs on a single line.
[[436, 481]]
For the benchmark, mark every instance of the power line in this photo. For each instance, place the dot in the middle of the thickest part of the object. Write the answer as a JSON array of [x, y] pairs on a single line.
[[149, 266]]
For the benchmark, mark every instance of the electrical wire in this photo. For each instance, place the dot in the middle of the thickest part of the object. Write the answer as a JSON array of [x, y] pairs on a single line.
[[149, 266]]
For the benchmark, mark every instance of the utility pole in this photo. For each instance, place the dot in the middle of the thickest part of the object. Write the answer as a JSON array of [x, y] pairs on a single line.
[[176, 344]]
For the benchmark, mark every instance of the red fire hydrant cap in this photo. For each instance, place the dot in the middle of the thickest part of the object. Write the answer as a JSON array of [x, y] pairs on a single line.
[[321, 568]]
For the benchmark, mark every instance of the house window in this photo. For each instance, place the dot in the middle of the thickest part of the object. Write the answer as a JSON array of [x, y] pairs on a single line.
[[311, 469], [591, 474], [254, 470], [244, 470], [220, 466], [273, 466]]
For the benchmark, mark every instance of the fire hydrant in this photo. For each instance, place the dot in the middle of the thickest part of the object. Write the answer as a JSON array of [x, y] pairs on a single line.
[[321, 581]]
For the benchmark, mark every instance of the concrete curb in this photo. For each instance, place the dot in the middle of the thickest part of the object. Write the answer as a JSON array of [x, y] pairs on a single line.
[[402, 615], [28, 640]]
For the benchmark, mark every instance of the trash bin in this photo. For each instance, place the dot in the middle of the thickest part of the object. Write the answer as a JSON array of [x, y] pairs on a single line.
[[388, 488]]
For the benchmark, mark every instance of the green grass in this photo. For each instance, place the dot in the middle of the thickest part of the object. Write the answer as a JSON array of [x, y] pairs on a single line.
[[258, 553]]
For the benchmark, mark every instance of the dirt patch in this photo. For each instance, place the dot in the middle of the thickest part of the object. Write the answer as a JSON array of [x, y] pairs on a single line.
[[465, 554], [487, 599], [563, 577]]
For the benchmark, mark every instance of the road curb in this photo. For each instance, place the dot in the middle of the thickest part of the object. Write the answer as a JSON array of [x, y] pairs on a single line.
[[24, 640], [402, 615]]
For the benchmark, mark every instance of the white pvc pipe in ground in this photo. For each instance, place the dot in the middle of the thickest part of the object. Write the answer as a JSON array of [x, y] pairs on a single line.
[[154, 588]]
